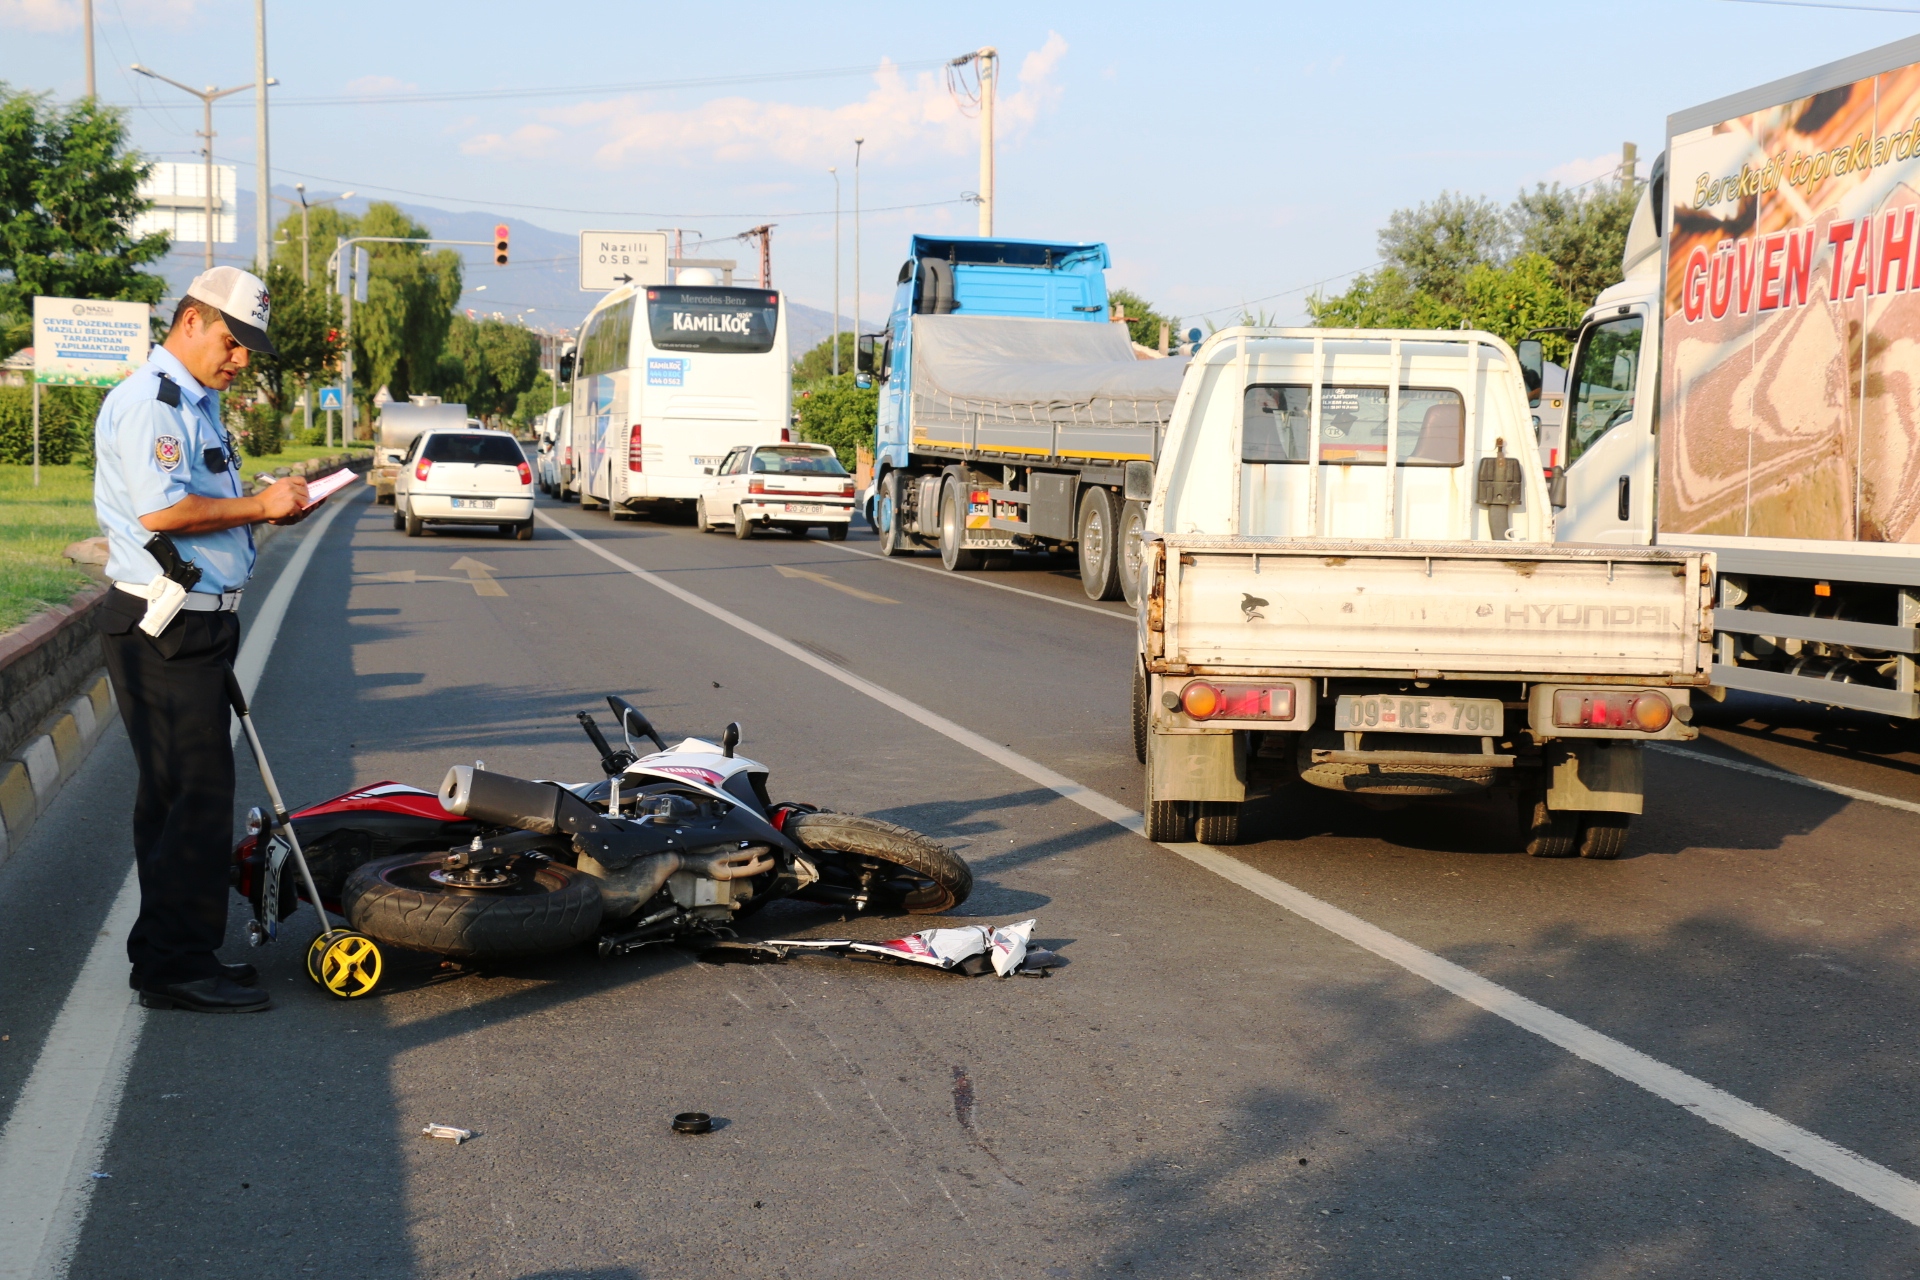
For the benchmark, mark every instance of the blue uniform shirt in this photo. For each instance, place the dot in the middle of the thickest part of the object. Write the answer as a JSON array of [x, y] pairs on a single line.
[[149, 456]]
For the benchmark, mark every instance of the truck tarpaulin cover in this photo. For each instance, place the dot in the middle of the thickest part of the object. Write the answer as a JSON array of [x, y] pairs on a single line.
[[1790, 378]]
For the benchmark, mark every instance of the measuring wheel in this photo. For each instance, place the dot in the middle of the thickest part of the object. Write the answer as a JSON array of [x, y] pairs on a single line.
[[344, 962]]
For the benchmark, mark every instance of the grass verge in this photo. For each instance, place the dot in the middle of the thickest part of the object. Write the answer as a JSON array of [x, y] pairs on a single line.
[[35, 524]]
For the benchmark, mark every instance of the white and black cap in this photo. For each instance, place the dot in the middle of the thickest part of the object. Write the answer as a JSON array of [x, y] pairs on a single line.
[[241, 299]]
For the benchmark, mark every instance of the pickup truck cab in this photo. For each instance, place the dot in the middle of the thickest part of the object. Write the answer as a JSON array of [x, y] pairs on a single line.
[[1350, 581]]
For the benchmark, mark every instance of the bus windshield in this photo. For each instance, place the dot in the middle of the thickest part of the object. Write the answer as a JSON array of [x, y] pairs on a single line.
[[706, 319]]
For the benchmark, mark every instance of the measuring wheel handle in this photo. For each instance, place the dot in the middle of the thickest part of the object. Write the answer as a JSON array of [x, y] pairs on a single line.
[[346, 963]]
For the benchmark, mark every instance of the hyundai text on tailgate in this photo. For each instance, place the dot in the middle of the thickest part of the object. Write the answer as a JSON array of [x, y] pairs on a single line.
[[1350, 581]]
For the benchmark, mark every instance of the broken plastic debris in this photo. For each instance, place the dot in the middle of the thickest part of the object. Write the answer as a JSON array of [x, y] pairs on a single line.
[[1010, 946], [447, 1131], [941, 948], [96, 1174]]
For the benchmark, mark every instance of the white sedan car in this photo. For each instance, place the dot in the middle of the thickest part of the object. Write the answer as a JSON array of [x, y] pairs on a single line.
[[464, 477], [778, 486]]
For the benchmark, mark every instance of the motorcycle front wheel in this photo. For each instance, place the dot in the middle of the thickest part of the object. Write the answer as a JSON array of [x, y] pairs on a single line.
[[866, 863]]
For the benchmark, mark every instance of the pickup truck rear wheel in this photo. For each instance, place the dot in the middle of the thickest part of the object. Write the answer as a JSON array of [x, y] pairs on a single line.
[[1545, 833], [1217, 821], [1133, 525], [954, 553], [1099, 527], [1604, 835], [1140, 715]]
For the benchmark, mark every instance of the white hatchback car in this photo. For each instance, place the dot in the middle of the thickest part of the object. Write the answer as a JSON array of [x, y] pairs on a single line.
[[471, 476], [778, 486]]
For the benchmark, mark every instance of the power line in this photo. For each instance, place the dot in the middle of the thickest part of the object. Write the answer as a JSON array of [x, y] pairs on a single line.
[[1241, 306], [1820, 4], [582, 91]]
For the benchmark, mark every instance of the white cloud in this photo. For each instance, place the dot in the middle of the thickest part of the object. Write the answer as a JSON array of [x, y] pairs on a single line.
[[64, 15], [381, 84], [896, 118], [1575, 172]]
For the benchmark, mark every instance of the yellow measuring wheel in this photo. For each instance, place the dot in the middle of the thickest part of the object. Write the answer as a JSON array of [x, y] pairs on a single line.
[[344, 962]]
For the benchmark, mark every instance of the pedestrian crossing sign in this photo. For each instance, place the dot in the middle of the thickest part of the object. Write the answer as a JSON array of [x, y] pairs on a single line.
[[329, 397]]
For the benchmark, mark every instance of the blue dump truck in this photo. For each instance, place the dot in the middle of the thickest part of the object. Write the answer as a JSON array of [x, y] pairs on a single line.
[[1014, 415]]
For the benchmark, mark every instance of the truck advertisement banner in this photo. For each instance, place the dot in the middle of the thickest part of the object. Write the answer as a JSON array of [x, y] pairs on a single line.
[[1790, 360]]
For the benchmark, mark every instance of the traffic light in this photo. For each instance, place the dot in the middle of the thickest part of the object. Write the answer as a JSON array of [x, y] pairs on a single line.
[[500, 245]]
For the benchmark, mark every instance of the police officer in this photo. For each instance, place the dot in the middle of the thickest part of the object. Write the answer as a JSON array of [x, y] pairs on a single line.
[[166, 467]]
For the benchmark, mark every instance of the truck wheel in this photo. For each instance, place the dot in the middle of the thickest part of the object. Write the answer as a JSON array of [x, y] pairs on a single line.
[[1167, 821], [1099, 527], [1217, 822], [1140, 715], [1133, 528], [887, 512], [1604, 835], [953, 530], [1545, 833]]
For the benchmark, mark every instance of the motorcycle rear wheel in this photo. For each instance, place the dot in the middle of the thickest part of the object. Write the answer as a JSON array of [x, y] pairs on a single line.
[[396, 901], [896, 868]]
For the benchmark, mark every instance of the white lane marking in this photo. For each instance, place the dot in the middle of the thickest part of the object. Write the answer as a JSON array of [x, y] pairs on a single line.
[[65, 1114], [1781, 775], [979, 581], [1872, 1182]]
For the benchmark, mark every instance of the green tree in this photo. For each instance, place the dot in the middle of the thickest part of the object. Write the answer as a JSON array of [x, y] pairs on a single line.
[[1437, 244], [834, 411], [306, 329], [1514, 300], [1143, 322], [69, 190], [1584, 235], [536, 400], [400, 331], [818, 362], [1383, 299], [487, 365]]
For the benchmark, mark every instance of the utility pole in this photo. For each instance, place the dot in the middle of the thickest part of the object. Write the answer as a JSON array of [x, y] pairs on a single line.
[[86, 20], [1629, 161], [857, 143], [989, 65], [764, 235], [207, 98], [835, 353], [262, 199]]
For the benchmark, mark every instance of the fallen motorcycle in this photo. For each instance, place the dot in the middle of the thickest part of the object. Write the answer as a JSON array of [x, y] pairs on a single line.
[[674, 845]]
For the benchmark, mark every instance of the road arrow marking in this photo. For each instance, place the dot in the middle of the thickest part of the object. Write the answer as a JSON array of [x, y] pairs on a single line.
[[825, 581], [478, 574]]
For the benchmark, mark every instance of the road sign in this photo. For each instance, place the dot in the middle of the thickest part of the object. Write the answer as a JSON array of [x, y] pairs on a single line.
[[81, 342], [610, 259], [330, 397]]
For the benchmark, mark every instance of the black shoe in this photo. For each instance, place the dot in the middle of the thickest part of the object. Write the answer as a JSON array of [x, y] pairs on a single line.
[[206, 995], [244, 974]]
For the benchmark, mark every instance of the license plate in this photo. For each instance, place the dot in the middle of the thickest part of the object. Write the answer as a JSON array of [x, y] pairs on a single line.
[[473, 504], [806, 508], [1397, 713]]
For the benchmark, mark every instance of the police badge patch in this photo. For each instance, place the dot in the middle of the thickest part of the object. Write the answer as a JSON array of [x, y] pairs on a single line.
[[166, 452]]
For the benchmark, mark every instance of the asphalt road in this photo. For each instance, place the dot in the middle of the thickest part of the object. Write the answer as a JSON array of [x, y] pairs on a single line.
[[1212, 1086]]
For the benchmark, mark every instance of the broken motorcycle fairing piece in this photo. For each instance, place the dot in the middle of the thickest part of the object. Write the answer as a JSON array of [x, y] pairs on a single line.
[[971, 949], [673, 845]]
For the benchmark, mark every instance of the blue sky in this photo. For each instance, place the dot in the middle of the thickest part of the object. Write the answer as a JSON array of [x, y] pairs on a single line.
[[1227, 153]]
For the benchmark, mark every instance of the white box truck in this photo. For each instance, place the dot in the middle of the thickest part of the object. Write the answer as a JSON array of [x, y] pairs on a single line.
[[1753, 386]]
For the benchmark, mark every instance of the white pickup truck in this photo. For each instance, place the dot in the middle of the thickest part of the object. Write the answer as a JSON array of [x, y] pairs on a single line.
[[1350, 580]]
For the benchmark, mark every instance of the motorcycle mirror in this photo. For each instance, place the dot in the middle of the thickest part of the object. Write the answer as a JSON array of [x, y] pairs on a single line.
[[730, 738], [631, 721]]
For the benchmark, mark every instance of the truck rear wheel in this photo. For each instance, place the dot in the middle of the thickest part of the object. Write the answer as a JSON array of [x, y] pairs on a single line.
[[1098, 528], [1217, 821], [1140, 715], [1133, 527], [954, 553], [1604, 835], [1545, 833]]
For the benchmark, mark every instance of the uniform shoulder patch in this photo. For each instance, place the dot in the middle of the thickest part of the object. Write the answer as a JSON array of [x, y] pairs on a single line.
[[169, 394], [167, 452]]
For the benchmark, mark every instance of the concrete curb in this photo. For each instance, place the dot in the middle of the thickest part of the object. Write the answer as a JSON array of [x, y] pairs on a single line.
[[32, 776]]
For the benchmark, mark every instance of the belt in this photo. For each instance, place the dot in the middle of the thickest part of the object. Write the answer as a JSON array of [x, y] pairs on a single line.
[[196, 601]]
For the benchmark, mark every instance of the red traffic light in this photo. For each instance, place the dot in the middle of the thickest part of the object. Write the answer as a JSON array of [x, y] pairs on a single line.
[[500, 245]]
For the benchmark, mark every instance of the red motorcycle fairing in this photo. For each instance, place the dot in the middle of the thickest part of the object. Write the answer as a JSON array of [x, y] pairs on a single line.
[[338, 835]]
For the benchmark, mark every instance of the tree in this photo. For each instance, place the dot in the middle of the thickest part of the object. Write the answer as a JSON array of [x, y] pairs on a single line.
[[818, 362], [1583, 235], [486, 366], [305, 326], [536, 400], [400, 331], [1384, 299], [834, 411], [1143, 322], [69, 190], [1437, 244]]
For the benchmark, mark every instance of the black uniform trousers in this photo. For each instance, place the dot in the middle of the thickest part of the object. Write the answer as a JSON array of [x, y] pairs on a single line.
[[173, 698]]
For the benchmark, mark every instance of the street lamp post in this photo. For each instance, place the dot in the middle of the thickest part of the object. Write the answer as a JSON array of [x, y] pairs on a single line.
[[857, 144], [207, 98], [836, 270], [306, 277]]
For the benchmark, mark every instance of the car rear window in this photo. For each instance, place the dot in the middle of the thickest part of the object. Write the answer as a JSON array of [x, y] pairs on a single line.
[[797, 462], [474, 446], [1353, 426]]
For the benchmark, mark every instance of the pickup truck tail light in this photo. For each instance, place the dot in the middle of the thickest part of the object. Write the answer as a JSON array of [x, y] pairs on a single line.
[[421, 468], [526, 474], [1646, 712], [634, 462], [1203, 700]]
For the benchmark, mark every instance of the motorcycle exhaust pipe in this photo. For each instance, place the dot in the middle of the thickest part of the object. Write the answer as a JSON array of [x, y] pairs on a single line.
[[541, 807]]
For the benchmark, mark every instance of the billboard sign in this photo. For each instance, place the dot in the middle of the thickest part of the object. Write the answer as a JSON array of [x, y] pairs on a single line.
[[80, 342], [1790, 340], [610, 259]]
